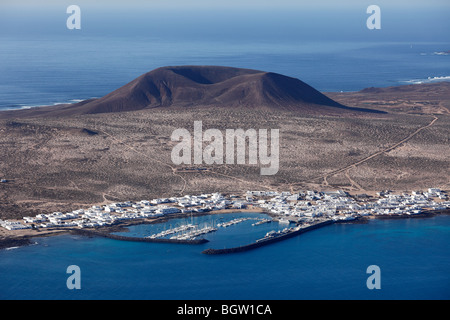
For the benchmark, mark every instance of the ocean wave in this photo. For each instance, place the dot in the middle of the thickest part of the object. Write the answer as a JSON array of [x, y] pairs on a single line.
[[16, 107], [441, 53], [11, 248], [27, 106], [427, 80]]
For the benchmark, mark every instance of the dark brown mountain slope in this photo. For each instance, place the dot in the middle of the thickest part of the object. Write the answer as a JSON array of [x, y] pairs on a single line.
[[211, 86]]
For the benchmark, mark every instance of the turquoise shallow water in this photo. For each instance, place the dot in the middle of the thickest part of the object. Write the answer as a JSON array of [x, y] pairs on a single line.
[[329, 263]]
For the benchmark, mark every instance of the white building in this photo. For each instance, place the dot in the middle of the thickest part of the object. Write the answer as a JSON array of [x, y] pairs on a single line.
[[167, 209], [13, 225]]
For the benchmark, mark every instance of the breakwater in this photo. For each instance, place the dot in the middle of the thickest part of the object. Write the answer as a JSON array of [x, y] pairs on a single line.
[[268, 241], [94, 233]]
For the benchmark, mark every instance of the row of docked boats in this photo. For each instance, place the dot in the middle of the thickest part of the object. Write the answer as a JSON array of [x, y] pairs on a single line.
[[191, 235], [191, 231], [168, 232]]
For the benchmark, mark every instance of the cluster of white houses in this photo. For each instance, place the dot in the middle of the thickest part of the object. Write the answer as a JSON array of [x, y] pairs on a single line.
[[339, 206], [309, 204]]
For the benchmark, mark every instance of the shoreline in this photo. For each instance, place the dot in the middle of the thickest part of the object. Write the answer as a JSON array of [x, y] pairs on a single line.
[[262, 243], [406, 83], [25, 239]]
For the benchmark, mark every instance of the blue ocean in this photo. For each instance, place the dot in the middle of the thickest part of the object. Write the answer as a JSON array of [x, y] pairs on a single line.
[[327, 263], [71, 69]]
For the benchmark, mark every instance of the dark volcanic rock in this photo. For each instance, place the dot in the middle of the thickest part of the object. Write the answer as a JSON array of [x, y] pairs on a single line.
[[210, 86]]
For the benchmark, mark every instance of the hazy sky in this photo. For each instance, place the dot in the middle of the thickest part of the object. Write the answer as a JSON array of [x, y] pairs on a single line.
[[321, 19], [234, 3]]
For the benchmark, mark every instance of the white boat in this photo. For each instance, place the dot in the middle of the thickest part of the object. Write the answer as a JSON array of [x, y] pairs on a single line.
[[262, 221], [284, 221]]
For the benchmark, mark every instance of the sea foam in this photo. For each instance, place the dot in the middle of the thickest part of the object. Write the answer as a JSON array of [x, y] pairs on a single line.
[[427, 80]]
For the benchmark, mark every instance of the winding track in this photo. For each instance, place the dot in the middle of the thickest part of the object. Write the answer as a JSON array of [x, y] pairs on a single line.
[[353, 165], [345, 169], [174, 169]]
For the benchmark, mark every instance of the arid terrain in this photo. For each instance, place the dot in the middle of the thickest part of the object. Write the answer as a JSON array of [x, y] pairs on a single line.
[[60, 163]]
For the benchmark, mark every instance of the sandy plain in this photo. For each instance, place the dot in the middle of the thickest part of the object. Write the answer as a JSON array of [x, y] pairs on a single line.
[[67, 163]]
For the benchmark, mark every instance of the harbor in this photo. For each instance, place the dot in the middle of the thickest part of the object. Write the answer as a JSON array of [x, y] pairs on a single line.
[[283, 215], [190, 231], [269, 238]]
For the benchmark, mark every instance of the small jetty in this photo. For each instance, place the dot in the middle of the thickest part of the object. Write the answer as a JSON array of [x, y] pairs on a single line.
[[184, 232], [192, 235], [262, 221], [270, 238], [232, 222]]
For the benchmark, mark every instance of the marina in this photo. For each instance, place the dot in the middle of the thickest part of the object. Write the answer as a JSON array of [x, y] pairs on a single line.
[[193, 234], [171, 231], [269, 238], [190, 231], [276, 216], [220, 230]]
